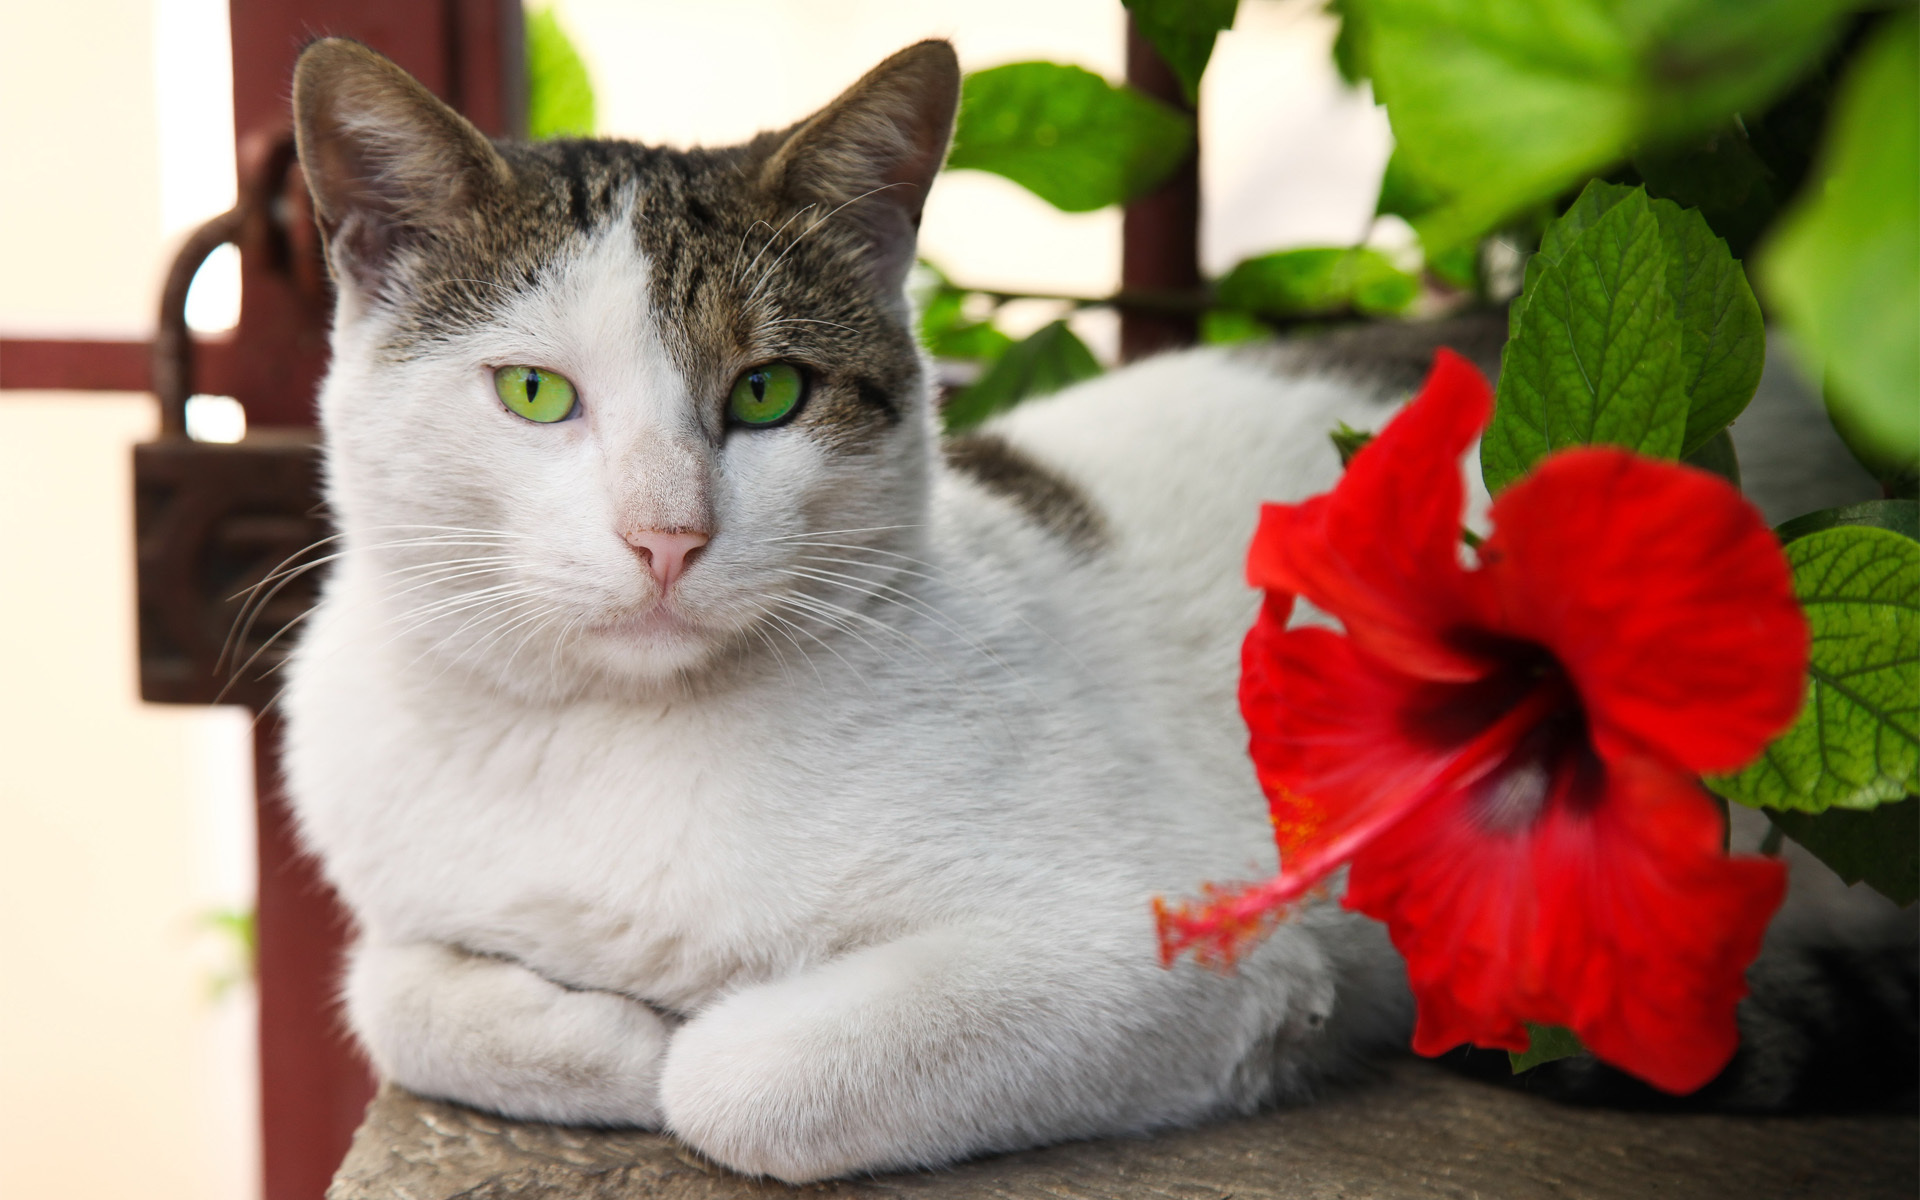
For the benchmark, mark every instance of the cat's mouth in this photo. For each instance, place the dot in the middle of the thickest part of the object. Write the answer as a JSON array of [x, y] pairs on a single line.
[[661, 621]]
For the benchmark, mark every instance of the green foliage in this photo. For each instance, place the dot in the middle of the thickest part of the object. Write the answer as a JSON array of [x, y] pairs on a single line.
[[1349, 45], [240, 930], [1716, 454], [1348, 441], [1880, 847], [1844, 272], [948, 332], [1183, 32], [1545, 1043], [1635, 328], [1319, 280], [1069, 136], [1723, 342], [1901, 516], [1404, 193], [1856, 743], [1227, 326], [1046, 362], [1501, 104], [1594, 352], [559, 91]]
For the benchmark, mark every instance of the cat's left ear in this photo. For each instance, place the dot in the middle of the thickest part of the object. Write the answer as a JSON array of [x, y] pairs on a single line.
[[872, 154]]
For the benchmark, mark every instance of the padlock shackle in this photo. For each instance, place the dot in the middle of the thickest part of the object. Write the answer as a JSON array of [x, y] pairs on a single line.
[[172, 339]]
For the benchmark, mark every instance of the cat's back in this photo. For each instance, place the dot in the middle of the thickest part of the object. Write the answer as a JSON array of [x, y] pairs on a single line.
[[1175, 456]]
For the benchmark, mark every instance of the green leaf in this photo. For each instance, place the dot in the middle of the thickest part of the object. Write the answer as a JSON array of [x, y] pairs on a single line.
[[1880, 847], [1900, 516], [1595, 353], [1046, 362], [1403, 193], [1723, 175], [1320, 280], [1545, 1043], [1183, 32], [1226, 326], [1067, 135], [948, 332], [1504, 103], [559, 91], [1716, 454], [1856, 743], [1844, 271], [1349, 45], [1723, 343]]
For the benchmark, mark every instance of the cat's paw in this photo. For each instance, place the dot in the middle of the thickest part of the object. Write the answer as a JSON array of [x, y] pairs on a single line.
[[750, 1089], [493, 1034]]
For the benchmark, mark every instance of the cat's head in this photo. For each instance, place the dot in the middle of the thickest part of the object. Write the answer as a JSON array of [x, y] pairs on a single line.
[[588, 399]]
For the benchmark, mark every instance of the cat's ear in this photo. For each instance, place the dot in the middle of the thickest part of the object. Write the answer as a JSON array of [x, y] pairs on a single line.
[[872, 154], [386, 161]]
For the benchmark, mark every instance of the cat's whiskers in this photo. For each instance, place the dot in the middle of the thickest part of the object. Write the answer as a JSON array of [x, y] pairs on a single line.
[[771, 239], [775, 264], [782, 626], [824, 644], [284, 572], [740, 251], [940, 576], [789, 537], [888, 594]]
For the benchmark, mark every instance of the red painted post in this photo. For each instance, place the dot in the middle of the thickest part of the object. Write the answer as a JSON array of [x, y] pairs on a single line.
[[314, 1084], [1160, 232]]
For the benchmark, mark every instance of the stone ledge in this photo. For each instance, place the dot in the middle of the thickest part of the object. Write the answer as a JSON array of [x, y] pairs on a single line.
[[1418, 1132]]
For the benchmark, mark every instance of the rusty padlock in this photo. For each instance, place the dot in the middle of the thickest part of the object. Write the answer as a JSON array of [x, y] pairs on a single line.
[[228, 536]]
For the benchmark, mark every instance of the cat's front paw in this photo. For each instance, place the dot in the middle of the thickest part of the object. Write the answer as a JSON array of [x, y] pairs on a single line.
[[493, 1034], [745, 1088]]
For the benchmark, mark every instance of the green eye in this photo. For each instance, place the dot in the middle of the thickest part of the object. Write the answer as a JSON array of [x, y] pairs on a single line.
[[535, 394], [767, 395]]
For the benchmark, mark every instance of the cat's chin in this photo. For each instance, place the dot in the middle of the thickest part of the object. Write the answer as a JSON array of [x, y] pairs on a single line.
[[657, 643]]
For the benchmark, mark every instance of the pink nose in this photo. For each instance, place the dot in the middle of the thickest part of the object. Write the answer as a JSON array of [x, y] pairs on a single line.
[[666, 554]]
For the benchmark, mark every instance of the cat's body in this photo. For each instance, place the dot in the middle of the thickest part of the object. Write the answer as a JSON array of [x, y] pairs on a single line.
[[828, 846]]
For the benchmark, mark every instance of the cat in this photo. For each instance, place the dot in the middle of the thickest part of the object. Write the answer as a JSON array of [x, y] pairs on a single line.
[[700, 741]]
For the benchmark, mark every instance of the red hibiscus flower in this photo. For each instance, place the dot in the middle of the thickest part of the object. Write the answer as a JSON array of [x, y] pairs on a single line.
[[1506, 752]]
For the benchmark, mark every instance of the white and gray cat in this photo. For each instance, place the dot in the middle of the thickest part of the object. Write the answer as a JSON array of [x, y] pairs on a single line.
[[703, 745]]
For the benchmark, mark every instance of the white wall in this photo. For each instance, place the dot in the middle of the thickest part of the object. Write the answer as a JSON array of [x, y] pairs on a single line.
[[120, 824]]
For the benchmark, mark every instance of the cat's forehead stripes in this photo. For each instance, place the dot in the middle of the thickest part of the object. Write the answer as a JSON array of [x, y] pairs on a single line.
[[736, 277]]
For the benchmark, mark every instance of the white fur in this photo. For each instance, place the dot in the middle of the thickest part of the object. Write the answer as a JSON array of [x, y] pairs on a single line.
[[845, 893]]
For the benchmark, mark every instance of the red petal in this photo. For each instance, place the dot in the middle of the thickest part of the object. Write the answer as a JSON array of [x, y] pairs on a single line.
[[1341, 744], [1381, 551], [1665, 597], [1619, 917]]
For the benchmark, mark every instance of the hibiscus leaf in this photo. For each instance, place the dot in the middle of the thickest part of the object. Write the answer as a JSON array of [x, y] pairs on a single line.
[[1317, 280], [1504, 103], [1843, 272], [1067, 135], [1595, 353], [1545, 1044], [559, 90], [1403, 193], [1723, 340], [1045, 362], [1880, 847], [1856, 743], [1716, 454], [1901, 516], [1183, 32]]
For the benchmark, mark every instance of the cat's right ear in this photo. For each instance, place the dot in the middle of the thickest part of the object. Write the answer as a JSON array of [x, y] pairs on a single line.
[[386, 160]]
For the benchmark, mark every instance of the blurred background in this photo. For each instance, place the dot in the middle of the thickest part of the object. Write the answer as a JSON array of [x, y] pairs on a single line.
[[126, 829]]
